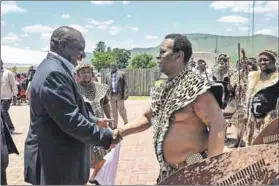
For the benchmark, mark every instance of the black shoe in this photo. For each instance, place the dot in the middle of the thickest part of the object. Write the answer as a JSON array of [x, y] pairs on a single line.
[[95, 182]]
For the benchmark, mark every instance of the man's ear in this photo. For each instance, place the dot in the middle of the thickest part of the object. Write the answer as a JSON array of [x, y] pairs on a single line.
[[61, 45], [180, 55]]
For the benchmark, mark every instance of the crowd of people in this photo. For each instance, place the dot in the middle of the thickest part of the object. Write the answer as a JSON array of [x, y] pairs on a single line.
[[74, 118]]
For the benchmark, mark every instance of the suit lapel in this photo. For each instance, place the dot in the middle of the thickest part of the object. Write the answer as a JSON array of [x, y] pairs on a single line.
[[68, 72]]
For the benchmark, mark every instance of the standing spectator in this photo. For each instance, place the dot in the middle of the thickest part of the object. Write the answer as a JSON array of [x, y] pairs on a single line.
[[117, 82], [203, 71], [192, 65], [7, 147], [8, 92]]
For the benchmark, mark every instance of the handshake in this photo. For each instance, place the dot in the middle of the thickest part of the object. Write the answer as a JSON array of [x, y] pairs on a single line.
[[117, 133]]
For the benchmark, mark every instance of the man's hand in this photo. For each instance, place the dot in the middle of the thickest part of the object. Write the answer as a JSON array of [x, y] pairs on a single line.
[[104, 122], [117, 135]]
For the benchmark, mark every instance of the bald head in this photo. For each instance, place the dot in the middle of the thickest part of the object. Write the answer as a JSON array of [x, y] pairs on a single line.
[[69, 43]]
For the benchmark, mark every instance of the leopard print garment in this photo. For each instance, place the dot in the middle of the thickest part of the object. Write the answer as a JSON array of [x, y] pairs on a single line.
[[95, 93], [171, 96], [239, 101]]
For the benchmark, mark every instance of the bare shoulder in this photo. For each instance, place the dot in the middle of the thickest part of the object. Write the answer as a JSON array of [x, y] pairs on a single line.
[[204, 98], [207, 108]]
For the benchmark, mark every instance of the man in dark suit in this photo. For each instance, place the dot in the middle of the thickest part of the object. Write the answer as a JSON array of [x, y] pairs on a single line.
[[61, 125], [118, 84], [7, 147]]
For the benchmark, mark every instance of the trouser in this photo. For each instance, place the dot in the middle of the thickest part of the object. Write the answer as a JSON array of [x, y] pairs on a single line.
[[118, 105], [4, 159], [6, 103], [3, 177]]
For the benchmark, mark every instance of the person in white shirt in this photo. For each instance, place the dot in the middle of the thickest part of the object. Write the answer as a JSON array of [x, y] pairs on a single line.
[[8, 93], [203, 71]]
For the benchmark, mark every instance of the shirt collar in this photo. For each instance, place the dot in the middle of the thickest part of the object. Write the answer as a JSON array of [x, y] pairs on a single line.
[[68, 64]]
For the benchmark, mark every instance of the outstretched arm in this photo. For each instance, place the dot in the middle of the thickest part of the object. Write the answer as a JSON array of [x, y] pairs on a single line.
[[57, 90], [141, 124], [208, 110]]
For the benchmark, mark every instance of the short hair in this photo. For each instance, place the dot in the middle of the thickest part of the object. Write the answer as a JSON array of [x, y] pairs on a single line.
[[60, 35], [201, 60], [181, 42]]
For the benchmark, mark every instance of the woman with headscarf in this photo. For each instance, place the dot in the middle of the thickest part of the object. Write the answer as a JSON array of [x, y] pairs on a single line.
[[262, 95], [97, 95]]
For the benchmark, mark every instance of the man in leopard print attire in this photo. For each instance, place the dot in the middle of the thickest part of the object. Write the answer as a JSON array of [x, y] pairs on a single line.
[[97, 95], [185, 112]]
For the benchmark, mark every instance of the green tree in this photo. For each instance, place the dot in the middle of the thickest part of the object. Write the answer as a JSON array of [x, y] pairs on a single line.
[[121, 57], [109, 49], [100, 47], [152, 64], [142, 61], [102, 60]]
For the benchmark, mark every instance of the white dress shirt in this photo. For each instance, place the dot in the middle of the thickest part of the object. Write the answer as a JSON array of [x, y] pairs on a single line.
[[8, 84]]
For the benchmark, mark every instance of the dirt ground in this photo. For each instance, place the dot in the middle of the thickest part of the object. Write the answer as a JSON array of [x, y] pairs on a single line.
[[137, 163]]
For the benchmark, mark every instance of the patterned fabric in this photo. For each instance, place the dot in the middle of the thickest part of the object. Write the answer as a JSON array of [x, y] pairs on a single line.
[[95, 94], [171, 96], [207, 75], [255, 84], [192, 159], [221, 73], [114, 82]]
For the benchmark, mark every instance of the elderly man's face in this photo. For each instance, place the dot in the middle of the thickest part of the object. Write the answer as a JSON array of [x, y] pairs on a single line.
[[73, 50], [167, 60]]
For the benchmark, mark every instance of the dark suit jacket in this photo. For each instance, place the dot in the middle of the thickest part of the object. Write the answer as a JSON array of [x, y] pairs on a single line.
[[7, 144], [32, 164], [122, 87], [64, 129]]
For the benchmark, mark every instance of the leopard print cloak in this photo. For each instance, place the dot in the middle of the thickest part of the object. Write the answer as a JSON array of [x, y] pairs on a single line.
[[94, 93], [170, 97]]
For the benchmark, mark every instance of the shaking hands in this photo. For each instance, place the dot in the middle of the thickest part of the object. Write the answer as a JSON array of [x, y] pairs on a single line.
[[117, 137]]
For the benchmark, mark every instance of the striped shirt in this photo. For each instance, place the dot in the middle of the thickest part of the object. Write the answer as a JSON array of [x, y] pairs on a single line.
[[114, 82]]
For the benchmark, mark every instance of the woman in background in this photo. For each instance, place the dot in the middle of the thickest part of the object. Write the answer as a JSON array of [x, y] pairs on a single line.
[[97, 95]]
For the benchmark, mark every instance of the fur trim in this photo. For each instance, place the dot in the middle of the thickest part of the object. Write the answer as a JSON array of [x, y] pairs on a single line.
[[170, 97]]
